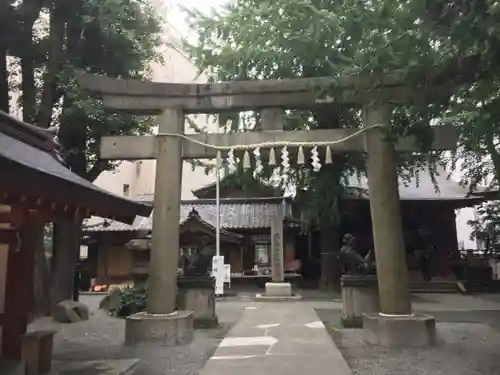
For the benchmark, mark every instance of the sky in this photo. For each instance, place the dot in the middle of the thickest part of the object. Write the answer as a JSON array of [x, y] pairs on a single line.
[[178, 19]]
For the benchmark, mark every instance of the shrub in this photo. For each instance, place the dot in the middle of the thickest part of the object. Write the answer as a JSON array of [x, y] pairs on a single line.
[[132, 300]]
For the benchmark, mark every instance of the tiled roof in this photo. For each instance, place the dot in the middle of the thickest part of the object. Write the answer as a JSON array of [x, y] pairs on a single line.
[[194, 215], [416, 189], [29, 159], [421, 188], [235, 214]]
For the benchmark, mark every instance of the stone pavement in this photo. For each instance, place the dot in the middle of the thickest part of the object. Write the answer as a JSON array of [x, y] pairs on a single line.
[[102, 367], [277, 338]]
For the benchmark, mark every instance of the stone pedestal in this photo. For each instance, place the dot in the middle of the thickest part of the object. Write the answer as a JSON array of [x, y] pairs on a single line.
[[197, 294], [278, 291], [359, 295], [160, 329], [415, 330]]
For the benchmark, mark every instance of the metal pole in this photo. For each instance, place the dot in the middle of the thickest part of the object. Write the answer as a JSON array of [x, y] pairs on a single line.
[[217, 204]]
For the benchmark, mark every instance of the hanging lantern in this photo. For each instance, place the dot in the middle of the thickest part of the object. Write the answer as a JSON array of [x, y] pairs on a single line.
[[300, 156], [328, 155], [315, 162]]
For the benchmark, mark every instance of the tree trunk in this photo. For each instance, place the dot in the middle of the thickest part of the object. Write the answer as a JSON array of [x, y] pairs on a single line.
[[330, 267], [56, 41], [330, 227], [64, 258], [72, 135], [4, 79], [28, 11], [41, 275]]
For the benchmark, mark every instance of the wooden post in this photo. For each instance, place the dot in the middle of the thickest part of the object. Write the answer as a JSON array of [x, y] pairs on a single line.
[[277, 249], [392, 272], [166, 215]]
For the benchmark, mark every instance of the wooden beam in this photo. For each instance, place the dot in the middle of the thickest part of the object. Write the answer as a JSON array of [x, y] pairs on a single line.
[[143, 147]]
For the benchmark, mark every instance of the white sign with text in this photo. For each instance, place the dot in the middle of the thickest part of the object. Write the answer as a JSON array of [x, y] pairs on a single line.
[[218, 271]]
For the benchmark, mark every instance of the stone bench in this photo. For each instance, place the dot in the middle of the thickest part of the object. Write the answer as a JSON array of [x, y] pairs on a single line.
[[36, 351]]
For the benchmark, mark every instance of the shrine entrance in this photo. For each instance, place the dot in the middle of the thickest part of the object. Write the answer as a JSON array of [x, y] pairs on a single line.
[[171, 102]]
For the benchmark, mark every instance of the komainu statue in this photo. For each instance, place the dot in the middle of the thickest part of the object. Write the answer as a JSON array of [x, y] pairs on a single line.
[[352, 262], [199, 265]]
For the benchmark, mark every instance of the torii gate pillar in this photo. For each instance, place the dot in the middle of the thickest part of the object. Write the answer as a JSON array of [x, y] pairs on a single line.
[[395, 322], [161, 323]]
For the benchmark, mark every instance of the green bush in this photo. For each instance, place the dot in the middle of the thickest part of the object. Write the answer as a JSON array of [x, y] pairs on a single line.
[[132, 300]]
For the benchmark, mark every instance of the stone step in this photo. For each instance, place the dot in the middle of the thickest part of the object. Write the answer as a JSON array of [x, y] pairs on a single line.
[[437, 286]]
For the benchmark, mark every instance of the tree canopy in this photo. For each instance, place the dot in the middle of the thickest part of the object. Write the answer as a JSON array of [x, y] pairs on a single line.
[[43, 44], [421, 40], [425, 42]]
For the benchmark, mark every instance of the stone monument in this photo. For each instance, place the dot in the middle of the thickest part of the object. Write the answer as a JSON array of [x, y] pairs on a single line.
[[197, 294], [196, 288], [277, 289]]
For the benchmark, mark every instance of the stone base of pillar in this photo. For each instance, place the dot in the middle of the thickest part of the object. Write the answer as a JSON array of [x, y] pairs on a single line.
[[359, 296], [160, 329], [197, 294], [416, 330], [278, 292]]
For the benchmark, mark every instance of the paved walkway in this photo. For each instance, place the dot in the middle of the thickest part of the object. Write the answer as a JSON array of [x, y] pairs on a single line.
[[277, 338]]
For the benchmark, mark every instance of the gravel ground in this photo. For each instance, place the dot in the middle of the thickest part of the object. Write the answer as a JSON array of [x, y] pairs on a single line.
[[102, 337], [468, 340], [468, 345]]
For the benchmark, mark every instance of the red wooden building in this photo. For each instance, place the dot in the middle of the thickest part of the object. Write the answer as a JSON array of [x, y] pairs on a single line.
[[35, 187]]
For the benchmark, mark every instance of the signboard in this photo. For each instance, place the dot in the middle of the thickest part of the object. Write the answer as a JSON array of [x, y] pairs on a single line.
[[277, 249], [218, 272], [227, 273]]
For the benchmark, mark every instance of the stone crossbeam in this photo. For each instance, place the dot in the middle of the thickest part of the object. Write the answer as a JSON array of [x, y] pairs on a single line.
[[144, 97], [144, 147]]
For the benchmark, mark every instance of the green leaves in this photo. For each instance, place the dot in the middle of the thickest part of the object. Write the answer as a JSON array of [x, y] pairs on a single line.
[[262, 39]]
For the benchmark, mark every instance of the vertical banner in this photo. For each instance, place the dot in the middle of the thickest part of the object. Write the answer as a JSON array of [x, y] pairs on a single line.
[[277, 249], [218, 271], [227, 274]]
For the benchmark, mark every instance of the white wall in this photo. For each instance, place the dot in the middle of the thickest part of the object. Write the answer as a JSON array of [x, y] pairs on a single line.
[[463, 229], [462, 217]]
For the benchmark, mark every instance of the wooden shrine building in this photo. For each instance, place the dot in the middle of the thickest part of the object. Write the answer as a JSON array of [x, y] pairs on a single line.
[[245, 236], [35, 187], [246, 214]]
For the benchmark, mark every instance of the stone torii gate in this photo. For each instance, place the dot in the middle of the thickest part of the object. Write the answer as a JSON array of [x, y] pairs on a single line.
[[171, 102]]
